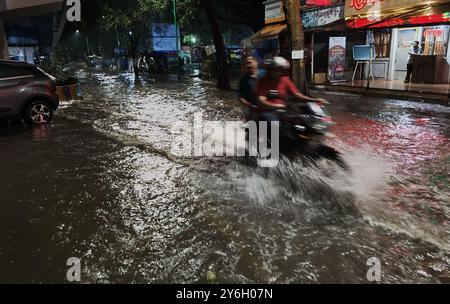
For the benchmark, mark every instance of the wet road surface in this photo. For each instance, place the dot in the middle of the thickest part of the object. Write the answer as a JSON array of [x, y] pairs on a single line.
[[101, 184]]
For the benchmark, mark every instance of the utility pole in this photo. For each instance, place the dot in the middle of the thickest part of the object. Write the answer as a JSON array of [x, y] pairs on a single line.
[[292, 10], [87, 45], [223, 72], [3, 42], [175, 20]]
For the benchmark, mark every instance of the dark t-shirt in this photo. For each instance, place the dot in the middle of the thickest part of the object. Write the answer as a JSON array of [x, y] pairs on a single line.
[[247, 89]]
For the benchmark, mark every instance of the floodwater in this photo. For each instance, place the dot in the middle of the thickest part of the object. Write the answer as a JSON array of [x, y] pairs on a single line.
[[102, 185]]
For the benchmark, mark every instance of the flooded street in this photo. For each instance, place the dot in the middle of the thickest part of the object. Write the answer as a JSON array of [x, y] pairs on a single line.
[[102, 184]]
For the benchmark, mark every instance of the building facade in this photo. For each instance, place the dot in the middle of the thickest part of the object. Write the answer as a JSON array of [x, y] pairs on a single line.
[[391, 26], [30, 28]]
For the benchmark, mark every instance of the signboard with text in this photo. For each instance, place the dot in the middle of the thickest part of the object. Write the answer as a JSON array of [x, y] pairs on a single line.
[[164, 37], [336, 59], [274, 11], [321, 17], [319, 2]]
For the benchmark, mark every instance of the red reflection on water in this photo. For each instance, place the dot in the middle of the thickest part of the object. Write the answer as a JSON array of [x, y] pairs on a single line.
[[419, 153], [407, 142]]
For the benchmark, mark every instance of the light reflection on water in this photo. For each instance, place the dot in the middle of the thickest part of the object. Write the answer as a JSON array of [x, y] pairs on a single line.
[[294, 197], [160, 219]]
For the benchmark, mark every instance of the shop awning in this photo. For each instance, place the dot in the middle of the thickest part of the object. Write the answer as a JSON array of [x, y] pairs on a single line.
[[268, 32]]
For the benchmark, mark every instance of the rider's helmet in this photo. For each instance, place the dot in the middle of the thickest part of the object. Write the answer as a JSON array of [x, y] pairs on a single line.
[[280, 63]]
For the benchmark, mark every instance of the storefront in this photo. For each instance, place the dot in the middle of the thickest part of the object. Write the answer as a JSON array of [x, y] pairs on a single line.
[[28, 29], [322, 23], [271, 40], [274, 40], [392, 47], [389, 25], [395, 25], [392, 26]]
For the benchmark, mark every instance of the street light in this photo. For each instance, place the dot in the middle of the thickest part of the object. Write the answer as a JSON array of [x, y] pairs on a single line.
[[87, 42]]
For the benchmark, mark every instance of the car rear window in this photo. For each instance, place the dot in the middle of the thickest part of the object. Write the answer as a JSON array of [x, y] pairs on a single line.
[[7, 70]]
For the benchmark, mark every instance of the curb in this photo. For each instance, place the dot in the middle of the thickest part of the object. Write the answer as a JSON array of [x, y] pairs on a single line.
[[383, 93]]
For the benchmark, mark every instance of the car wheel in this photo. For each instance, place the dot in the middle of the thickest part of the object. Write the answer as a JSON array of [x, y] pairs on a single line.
[[38, 113]]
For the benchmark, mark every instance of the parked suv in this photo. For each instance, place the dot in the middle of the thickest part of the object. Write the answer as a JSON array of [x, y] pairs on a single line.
[[26, 92]]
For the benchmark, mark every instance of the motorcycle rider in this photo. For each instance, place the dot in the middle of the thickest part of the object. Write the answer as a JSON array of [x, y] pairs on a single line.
[[273, 89]]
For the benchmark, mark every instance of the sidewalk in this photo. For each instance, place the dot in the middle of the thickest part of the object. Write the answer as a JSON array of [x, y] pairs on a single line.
[[392, 89]]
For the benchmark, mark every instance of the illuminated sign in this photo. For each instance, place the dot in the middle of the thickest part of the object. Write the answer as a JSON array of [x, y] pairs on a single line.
[[439, 18], [164, 37], [365, 8], [434, 32], [395, 13], [395, 22], [319, 2], [360, 4]]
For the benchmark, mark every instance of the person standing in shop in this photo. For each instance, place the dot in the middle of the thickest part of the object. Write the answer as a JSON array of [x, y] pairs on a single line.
[[414, 50]]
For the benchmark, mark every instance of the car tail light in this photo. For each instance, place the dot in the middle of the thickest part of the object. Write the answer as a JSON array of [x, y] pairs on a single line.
[[51, 85]]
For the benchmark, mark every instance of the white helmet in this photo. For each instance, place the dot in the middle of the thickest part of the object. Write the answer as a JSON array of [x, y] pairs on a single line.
[[280, 63]]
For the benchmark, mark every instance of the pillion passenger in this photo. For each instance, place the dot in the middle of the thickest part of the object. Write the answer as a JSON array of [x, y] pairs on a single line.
[[273, 90], [247, 89]]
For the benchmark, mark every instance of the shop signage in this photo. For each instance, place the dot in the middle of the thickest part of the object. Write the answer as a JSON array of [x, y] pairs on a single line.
[[360, 4], [298, 54], [210, 49], [363, 8], [321, 17], [396, 22], [319, 2], [394, 13], [434, 32], [336, 59], [274, 11]]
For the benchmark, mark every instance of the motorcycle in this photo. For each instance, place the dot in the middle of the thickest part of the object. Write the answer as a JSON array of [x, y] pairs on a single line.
[[303, 129]]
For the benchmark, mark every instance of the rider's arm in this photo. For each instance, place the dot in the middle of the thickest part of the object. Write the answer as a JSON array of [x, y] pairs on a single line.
[[244, 102], [298, 95], [302, 98], [266, 103], [241, 94]]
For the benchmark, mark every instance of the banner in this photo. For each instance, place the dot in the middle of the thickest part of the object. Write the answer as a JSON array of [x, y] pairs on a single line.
[[336, 59], [322, 17]]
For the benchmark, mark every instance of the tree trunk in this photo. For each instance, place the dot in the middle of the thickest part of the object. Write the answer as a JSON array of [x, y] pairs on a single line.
[[133, 43], [292, 9], [3, 42], [223, 73]]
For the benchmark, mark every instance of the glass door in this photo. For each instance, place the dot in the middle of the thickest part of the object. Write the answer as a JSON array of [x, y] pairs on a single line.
[[405, 38]]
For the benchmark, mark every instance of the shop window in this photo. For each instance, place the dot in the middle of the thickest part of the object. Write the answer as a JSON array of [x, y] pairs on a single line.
[[434, 40], [382, 43]]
